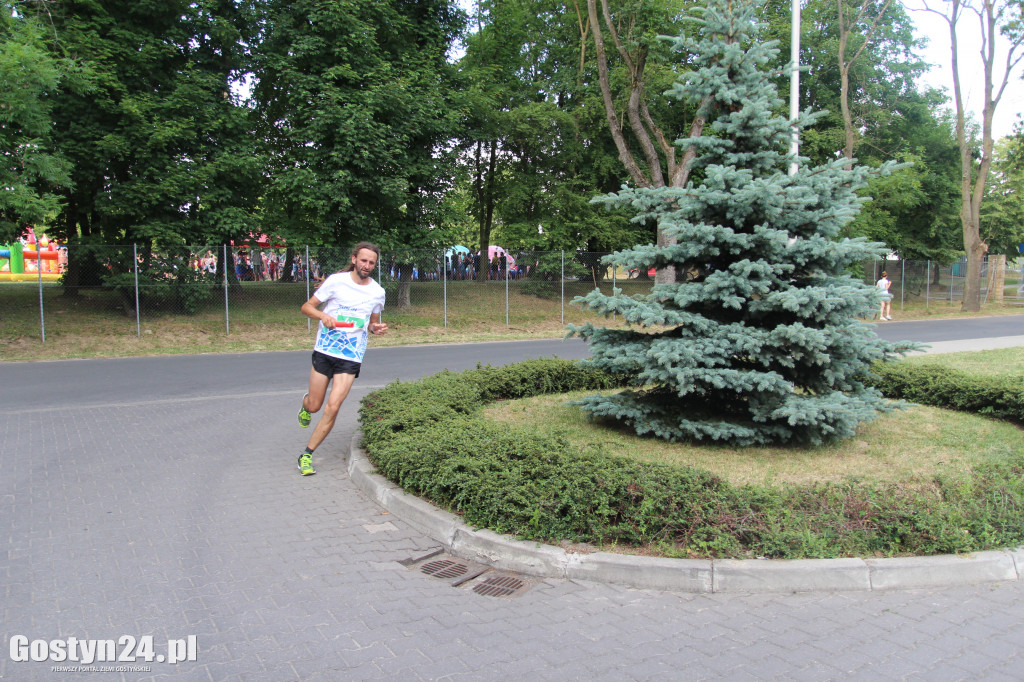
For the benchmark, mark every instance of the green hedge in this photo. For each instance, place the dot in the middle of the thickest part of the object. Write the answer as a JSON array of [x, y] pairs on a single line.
[[430, 437], [1000, 397]]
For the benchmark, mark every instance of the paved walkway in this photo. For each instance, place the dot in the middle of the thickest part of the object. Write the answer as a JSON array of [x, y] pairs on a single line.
[[172, 508]]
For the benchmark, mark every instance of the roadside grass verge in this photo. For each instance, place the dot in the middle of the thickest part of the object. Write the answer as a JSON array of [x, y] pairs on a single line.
[[264, 316], [1001, 362]]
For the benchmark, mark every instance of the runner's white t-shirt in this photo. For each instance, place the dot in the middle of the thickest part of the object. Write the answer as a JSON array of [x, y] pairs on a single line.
[[351, 304]]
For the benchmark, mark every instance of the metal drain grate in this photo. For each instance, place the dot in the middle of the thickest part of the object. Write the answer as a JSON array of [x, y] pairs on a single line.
[[500, 586], [460, 572], [445, 569]]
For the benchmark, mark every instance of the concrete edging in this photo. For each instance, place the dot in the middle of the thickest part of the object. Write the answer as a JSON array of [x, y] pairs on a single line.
[[679, 575]]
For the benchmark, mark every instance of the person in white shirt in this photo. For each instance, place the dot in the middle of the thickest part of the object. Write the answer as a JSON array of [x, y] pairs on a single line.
[[352, 303], [886, 311]]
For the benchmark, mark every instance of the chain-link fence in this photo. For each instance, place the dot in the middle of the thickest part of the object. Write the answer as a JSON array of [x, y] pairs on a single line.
[[122, 290]]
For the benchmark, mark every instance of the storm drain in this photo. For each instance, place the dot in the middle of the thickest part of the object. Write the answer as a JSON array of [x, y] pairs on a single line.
[[445, 568], [460, 572], [501, 586]]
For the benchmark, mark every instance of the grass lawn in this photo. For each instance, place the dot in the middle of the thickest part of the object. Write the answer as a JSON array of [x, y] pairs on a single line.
[[264, 316], [906, 446]]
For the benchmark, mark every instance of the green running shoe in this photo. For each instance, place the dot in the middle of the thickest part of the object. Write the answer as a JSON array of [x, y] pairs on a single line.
[[306, 464], [304, 415]]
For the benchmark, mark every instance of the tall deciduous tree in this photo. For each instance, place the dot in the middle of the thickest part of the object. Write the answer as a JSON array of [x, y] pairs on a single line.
[[535, 148], [162, 153], [995, 18], [857, 29], [31, 172], [650, 157], [863, 70], [915, 209], [762, 343], [358, 100], [1002, 215]]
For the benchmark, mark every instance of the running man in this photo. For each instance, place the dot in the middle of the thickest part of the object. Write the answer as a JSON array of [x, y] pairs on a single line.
[[352, 305]]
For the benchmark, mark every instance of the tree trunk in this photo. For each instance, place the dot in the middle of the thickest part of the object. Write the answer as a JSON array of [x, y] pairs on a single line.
[[844, 107], [73, 274], [996, 278], [286, 269], [485, 194], [971, 193], [404, 286], [846, 26]]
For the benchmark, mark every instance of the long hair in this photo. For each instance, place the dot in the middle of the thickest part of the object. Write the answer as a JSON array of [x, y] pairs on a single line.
[[355, 252]]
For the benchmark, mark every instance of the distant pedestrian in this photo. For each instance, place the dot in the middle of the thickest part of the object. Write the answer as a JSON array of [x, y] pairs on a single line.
[[885, 313], [352, 302]]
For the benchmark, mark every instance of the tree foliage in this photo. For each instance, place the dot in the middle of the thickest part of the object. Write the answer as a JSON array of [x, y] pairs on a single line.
[[207, 121], [160, 149], [31, 171], [759, 342], [1002, 215], [994, 18], [358, 101], [534, 147]]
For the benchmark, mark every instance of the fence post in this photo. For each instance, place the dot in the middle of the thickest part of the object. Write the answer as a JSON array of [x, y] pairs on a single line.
[[39, 271], [903, 280], [444, 265], [135, 267], [309, 321], [951, 285], [227, 313], [614, 268], [562, 280], [506, 286], [927, 281]]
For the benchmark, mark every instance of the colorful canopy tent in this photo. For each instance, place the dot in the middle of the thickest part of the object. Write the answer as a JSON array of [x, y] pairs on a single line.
[[493, 250], [458, 248]]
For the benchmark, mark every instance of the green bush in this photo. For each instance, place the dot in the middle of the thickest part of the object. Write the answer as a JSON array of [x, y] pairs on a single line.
[[1001, 397], [430, 437]]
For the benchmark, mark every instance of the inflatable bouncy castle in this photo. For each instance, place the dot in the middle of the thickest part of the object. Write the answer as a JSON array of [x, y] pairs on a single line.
[[29, 260]]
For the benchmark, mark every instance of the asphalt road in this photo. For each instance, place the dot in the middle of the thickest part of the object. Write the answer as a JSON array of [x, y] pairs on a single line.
[[159, 498], [933, 331], [108, 381]]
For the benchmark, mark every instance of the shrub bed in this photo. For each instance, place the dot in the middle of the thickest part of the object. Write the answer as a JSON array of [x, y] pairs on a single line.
[[1000, 397], [430, 437]]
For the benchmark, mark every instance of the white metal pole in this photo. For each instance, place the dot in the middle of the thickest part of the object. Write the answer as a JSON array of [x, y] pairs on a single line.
[[562, 279], [309, 322], [951, 283], [444, 264], [227, 313], [794, 84], [927, 281], [903, 279], [39, 272], [135, 266]]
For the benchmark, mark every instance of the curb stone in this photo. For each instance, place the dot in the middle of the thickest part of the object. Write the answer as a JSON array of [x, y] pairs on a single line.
[[504, 552]]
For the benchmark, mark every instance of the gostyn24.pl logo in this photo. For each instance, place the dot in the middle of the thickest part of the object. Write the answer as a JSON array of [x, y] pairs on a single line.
[[125, 649]]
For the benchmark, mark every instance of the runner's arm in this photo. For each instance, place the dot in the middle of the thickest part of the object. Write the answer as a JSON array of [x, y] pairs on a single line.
[[376, 326], [311, 309]]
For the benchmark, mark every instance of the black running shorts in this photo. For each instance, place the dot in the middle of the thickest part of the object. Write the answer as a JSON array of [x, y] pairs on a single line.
[[329, 365]]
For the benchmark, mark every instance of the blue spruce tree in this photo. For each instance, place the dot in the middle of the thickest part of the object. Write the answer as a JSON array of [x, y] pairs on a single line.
[[759, 339]]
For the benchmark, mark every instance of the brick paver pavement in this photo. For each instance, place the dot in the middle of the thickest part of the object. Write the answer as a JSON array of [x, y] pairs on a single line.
[[181, 513]]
